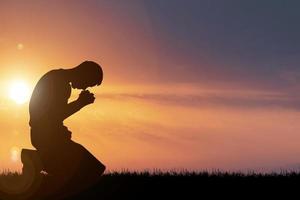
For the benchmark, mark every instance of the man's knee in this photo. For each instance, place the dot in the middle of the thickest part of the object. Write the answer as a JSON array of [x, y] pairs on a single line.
[[101, 167], [89, 162]]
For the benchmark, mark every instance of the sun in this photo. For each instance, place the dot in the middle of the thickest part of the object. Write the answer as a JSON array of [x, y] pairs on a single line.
[[19, 92]]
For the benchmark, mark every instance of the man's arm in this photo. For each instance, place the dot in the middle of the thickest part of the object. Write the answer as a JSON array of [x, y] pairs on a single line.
[[72, 108], [85, 98]]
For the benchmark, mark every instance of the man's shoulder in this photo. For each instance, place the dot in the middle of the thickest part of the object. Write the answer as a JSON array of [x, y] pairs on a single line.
[[53, 75], [54, 72]]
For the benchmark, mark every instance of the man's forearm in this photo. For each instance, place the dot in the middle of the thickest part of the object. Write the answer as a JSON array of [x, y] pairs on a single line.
[[72, 108]]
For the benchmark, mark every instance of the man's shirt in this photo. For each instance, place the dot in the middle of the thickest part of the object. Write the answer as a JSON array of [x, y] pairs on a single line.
[[49, 100]]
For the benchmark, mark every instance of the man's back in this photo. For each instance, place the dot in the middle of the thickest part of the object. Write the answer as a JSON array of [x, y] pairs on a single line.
[[49, 98]]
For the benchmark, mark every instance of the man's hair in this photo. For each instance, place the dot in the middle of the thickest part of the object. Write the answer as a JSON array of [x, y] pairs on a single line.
[[92, 70]]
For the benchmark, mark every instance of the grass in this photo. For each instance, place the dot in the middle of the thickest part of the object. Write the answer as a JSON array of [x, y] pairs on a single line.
[[190, 185]]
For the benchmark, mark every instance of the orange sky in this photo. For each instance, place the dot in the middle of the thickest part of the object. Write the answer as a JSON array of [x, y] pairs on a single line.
[[142, 118], [128, 129]]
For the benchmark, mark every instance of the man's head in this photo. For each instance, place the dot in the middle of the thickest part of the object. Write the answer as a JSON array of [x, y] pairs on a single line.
[[87, 74]]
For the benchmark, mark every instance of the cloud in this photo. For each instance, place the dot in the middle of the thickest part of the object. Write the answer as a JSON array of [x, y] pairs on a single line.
[[267, 100]]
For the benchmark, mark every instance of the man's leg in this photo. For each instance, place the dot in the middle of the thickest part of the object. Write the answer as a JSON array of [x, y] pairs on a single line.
[[32, 163], [88, 166], [79, 167]]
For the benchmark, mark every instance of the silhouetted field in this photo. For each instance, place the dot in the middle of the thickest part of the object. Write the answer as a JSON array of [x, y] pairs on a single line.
[[187, 185]]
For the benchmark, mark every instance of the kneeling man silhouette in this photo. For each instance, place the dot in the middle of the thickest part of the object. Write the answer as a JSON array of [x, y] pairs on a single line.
[[63, 159]]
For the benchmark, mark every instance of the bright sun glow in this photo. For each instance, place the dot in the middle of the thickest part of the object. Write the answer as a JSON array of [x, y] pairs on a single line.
[[19, 92], [14, 154]]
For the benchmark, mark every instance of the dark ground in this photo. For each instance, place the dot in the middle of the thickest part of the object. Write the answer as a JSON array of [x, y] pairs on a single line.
[[178, 185]]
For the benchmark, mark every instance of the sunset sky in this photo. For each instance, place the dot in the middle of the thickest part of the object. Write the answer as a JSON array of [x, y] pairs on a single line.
[[188, 84]]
